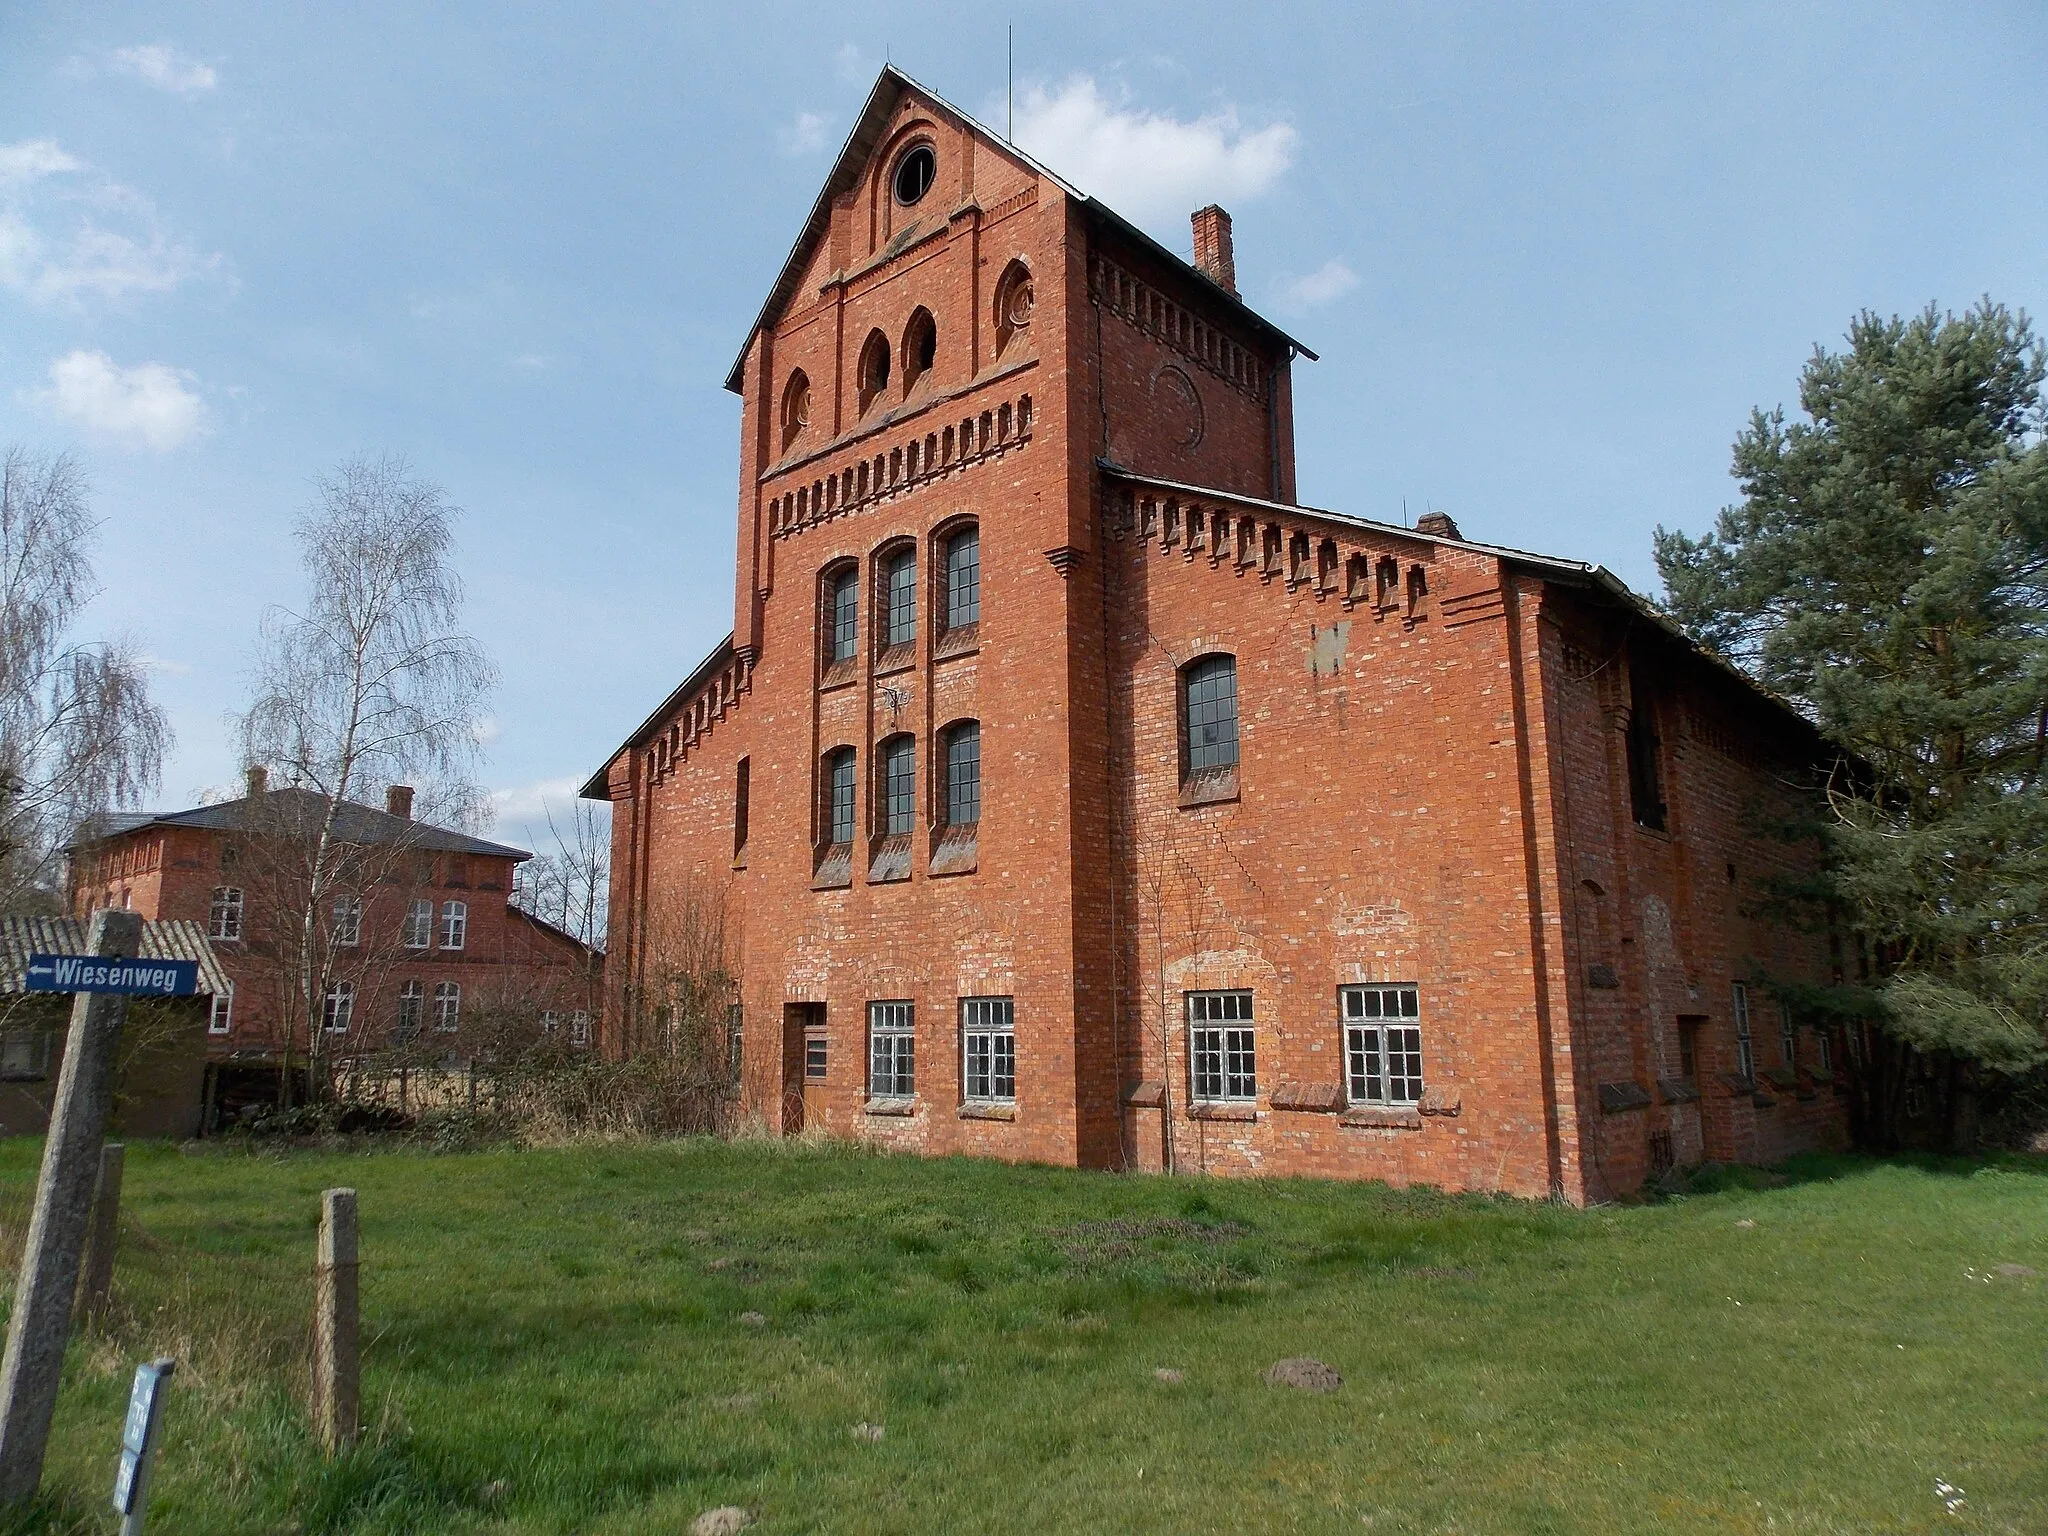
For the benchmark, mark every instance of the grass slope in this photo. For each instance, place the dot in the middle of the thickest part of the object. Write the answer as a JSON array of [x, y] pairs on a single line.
[[557, 1345]]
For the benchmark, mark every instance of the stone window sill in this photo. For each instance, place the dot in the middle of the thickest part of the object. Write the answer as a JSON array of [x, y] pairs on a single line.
[[898, 658], [1211, 786], [1381, 1118], [1619, 1098], [890, 862], [897, 1107], [839, 674], [958, 852], [835, 869], [1150, 1094], [964, 641], [1309, 1098], [988, 1112], [1223, 1112], [1678, 1090]]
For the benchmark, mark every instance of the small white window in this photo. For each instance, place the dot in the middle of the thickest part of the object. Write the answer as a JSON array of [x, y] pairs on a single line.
[[988, 1049], [25, 1054], [419, 924], [341, 1007], [892, 1050], [1382, 1044], [447, 1006], [221, 1020], [224, 913], [454, 923], [1745, 1050], [1222, 1053], [549, 1021], [579, 1028], [348, 921], [412, 1007]]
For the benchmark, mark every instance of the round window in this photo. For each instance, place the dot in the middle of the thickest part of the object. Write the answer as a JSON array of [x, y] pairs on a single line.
[[915, 173]]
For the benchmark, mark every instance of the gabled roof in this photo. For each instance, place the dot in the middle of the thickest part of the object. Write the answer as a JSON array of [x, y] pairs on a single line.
[[360, 824], [174, 939], [721, 655], [852, 163]]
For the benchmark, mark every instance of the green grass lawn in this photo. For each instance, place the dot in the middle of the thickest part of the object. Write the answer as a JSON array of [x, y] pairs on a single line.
[[555, 1343]]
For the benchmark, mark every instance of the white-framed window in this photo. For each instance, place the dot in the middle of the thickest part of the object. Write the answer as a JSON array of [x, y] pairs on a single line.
[[1788, 1037], [447, 1006], [550, 1021], [220, 1018], [892, 1050], [579, 1028], [1745, 1049], [1222, 1051], [340, 1007], [454, 923], [412, 1008], [224, 913], [988, 1049], [418, 929], [348, 920], [1382, 1043]]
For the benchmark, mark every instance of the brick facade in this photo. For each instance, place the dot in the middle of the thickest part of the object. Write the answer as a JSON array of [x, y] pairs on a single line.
[[1432, 785]]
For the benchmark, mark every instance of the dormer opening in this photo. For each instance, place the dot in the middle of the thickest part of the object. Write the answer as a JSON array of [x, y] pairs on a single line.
[[874, 369], [920, 348], [915, 172]]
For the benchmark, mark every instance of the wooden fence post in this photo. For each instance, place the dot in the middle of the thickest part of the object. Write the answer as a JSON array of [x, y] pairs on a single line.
[[96, 1275], [48, 1281], [337, 1365]]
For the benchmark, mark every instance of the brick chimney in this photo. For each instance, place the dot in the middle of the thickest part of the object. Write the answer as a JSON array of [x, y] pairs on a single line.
[[258, 779], [1215, 257], [1438, 525], [398, 801]]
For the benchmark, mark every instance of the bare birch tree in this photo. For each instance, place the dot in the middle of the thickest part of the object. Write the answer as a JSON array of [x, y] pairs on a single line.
[[78, 732], [569, 885], [371, 683]]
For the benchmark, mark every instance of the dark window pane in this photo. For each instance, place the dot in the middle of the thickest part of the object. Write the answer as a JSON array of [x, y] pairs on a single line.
[[842, 796], [963, 775], [902, 597], [963, 578], [1212, 713], [899, 785], [844, 609]]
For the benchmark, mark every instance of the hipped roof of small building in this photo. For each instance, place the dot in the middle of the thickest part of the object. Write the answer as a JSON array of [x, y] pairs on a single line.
[[852, 164], [172, 939], [302, 809]]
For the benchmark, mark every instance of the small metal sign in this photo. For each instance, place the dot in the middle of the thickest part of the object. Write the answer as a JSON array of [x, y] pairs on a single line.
[[138, 1439], [89, 973]]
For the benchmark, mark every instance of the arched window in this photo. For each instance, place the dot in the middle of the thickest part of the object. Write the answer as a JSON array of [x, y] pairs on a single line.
[[915, 173], [899, 596], [874, 369], [920, 347], [1013, 308], [963, 578], [840, 796], [963, 774], [796, 408], [447, 1006], [1209, 713], [898, 786], [841, 615]]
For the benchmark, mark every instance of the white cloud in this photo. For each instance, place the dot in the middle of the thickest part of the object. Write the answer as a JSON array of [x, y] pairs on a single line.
[[1147, 165], [530, 362], [162, 66], [530, 803], [1332, 280], [114, 249], [165, 665], [150, 405], [852, 64], [805, 136]]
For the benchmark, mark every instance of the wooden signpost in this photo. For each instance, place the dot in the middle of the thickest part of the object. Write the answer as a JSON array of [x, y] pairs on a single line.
[[337, 1365]]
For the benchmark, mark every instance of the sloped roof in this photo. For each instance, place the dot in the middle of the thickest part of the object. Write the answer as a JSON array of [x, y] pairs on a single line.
[[853, 158], [354, 823], [172, 939], [595, 788]]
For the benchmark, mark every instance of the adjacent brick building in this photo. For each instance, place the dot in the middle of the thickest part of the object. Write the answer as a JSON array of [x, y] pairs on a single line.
[[418, 941], [1066, 791]]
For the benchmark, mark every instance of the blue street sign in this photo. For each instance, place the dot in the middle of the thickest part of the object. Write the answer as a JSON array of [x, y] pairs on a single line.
[[89, 973], [138, 1435]]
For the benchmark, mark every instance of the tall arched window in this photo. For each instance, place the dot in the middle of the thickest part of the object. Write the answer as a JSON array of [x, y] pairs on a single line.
[[963, 774], [874, 369], [796, 408], [841, 796], [899, 596], [1209, 713], [920, 347], [1014, 299], [841, 614], [898, 786], [963, 578]]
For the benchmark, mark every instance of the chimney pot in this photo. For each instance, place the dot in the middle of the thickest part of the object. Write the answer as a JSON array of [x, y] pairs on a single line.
[[1438, 525], [398, 801], [1215, 256], [258, 779]]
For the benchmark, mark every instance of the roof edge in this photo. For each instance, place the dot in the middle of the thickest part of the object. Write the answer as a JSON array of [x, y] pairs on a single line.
[[596, 786]]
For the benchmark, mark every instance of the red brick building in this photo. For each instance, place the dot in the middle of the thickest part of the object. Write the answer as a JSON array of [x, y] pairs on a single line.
[[418, 939], [1068, 792]]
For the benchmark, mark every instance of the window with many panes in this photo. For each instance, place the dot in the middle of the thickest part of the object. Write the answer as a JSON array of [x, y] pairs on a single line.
[[454, 924], [1745, 1050], [899, 598], [579, 1028], [1222, 1057], [447, 1006], [348, 920], [220, 1018], [842, 615], [892, 1051], [841, 795], [988, 1049], [418, 928], [1382, 1044], [224, 913], [817, 1053], [963, 774], [340, 1007], [1209, 703], [1788, 1038], [963, 579], [412, 1008], [899, 785]]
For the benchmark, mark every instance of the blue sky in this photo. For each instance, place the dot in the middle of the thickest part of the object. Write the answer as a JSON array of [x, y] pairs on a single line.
[[1550, 256]]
